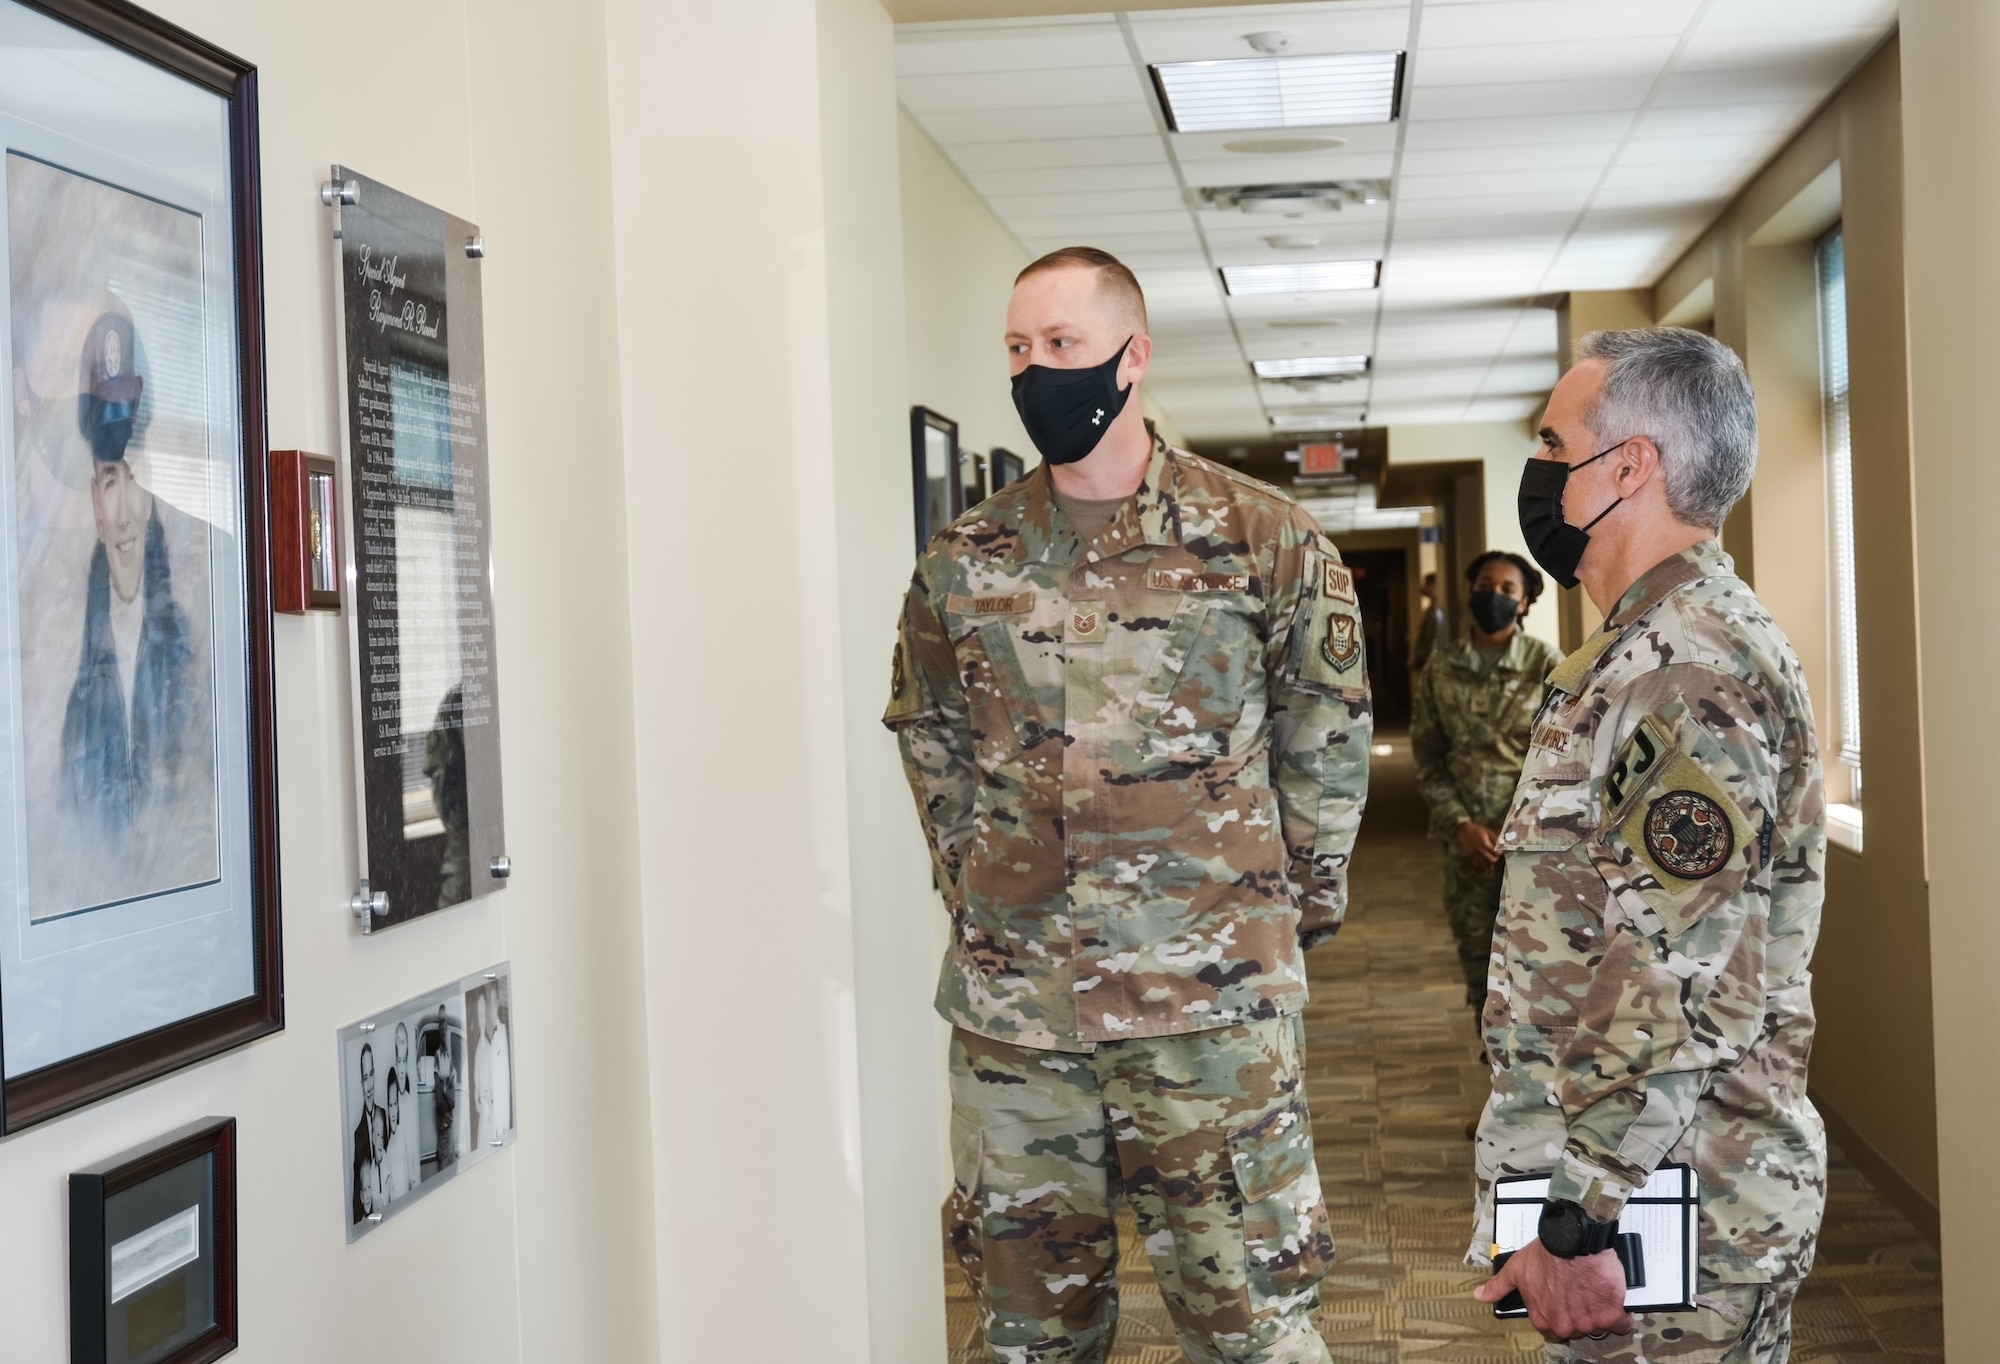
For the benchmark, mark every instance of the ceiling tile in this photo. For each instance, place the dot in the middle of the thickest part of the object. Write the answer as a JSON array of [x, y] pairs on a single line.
[[1085, 203], [1625, 59], [1530, 156], [1498, 100], [1014, 125], [1505, 21], [946, 49], [1073, 179], [1029, 153], [1063, 88]]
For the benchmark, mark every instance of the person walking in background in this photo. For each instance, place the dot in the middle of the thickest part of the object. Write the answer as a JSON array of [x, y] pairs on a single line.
[[1430, 626], [1471, 719]]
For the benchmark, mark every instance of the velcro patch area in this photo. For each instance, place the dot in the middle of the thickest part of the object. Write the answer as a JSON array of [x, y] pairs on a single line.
[[1186, 580], [997, 604]]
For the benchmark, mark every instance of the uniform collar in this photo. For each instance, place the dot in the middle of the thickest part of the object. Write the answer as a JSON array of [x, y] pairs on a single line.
[[1151, 516], [1705, 560], [1512, 659]]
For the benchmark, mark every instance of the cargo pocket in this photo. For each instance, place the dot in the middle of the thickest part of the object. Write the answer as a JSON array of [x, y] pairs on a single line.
[[1288, 1246], [962, 1226]]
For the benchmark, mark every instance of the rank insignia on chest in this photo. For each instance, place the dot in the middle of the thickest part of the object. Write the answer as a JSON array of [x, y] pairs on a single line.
[[1086, 623], [1338, 584], [1342, 645], [1689, 835]]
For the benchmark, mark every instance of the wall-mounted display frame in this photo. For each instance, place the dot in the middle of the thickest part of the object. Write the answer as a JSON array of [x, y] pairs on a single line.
[[139, 927], [426, 1090], [423, 659], [152, 1251], [305, 533], [974, 481], [934, 472], [1006, 468]]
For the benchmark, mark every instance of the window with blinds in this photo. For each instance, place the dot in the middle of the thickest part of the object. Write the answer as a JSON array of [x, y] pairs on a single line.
[[1840, 504]]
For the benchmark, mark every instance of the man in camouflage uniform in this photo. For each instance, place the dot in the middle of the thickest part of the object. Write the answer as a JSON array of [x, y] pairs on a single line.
[[1650, 998], [1133, 709], [1470, 723]]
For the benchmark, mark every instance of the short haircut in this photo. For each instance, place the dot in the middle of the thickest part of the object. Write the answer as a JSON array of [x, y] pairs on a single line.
[[1113, 278], [1691, 396], [1531, 578]]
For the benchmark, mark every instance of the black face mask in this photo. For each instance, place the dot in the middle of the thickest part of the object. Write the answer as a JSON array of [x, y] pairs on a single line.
[[1067, 411], [1494, 611], [1556, 544]]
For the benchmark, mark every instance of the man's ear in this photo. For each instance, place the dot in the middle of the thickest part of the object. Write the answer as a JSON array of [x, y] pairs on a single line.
[[1138, 359], [1638, 464]]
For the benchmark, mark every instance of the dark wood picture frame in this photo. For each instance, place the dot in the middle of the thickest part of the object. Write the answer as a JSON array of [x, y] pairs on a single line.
[[89, 1246], [298, 546], [55, 1089], [1004, 467], [923, 421]]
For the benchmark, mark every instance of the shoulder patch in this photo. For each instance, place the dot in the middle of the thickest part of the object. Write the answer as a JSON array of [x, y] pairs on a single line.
[[1689, 834], [1338, 584], [1637, 762]]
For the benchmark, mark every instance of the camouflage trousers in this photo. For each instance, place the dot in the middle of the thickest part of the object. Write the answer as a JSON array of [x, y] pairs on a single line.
[[1738, 1323], [1472, 902], [1205, 1135]]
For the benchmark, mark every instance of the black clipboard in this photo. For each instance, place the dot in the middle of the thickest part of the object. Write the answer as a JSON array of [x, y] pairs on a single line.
[[1660, 1229]]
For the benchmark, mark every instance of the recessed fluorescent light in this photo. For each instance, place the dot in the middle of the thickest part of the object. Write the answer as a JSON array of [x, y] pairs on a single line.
[[1311, 367], [1316, 421], [1306, 277], [1280, 92]]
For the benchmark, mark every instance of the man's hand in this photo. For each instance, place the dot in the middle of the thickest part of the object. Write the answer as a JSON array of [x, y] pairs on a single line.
[[1478, 842], [1565, 1298]]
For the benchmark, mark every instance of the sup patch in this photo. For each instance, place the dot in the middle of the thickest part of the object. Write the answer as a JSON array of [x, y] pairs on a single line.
[[1338, 584], [1689, 835]]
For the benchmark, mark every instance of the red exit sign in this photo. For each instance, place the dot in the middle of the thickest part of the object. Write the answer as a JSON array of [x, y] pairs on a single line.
[[1321, 459]]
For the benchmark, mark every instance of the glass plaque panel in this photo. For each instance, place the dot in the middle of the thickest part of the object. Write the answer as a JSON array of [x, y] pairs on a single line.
[[419, 551]]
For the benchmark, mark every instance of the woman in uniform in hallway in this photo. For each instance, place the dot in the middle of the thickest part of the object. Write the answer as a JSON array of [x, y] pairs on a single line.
[[1471, 718]]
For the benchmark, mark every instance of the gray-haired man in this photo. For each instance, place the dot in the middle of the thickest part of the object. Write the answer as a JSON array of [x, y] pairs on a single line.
[[1648, 999]]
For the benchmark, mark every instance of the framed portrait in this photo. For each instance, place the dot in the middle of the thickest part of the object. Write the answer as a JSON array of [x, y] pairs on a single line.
[[152, 1251], [934, 472], [427, 1090], [138, 818], [973, 486], [1005, 468]]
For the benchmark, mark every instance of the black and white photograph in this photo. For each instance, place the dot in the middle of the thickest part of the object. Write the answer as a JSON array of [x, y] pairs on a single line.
[[427, 1089], [489, 1013], [138, 807], [403, 1095]]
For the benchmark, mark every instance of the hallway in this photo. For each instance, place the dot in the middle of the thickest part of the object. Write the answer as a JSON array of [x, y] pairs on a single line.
[[1392, 1079]]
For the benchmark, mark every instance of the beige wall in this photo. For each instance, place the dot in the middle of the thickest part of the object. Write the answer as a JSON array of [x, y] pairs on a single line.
[[543, 1252], [1951, 112], [1872, 1064], [786, 897]]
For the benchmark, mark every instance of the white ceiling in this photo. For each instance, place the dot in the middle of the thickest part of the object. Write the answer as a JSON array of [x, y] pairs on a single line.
[[1545, 146]]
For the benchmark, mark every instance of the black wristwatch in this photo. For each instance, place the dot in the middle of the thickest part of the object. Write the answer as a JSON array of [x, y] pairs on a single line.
[[1568, 1232]]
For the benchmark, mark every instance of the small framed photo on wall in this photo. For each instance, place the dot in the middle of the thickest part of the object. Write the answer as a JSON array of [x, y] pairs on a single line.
[[934, 472], [152, 1251]]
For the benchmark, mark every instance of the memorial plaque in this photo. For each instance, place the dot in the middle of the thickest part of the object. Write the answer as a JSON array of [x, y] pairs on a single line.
[[413, 379]]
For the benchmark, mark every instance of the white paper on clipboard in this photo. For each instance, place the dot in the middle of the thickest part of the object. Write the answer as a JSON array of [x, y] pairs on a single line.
[[1665, 1213]]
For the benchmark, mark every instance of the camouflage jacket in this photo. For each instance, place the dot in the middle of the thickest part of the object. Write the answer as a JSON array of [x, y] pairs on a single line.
[[1649, 998], [1140, 762], [1470, 721]]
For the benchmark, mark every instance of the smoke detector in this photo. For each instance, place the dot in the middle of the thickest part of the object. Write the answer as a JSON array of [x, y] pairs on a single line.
[[1294, 200], [1270, 41]]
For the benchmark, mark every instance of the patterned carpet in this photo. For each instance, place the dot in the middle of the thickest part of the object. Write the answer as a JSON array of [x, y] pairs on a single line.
[[1393, 1075]]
